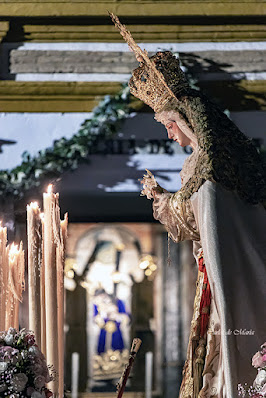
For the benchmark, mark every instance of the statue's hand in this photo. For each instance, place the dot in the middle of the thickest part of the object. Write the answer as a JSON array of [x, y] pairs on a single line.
[[151, 188]]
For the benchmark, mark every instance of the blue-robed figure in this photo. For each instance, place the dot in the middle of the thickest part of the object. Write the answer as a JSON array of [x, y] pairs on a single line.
[[110, 323]]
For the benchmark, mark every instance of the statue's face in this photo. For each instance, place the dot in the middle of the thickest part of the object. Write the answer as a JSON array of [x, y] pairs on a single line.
[[177, 128], [176, 134]]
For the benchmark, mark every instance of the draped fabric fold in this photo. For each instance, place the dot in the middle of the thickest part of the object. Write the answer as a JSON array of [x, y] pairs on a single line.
[[233, 238]]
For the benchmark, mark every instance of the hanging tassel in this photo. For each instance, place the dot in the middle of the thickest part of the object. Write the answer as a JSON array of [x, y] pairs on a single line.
[[169, 262], [205, 302], [198, 367], [200, 351]]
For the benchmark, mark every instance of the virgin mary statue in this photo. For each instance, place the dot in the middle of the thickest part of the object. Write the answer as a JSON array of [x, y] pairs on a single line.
[[221, 208]]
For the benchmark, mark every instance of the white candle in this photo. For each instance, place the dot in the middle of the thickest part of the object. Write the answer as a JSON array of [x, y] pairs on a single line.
[[12, 266], [60, 262], [42, 283], [75, 375], [15, 284], [20, 280], [148, 374], [34, 268], [49, 201], [3, 275]]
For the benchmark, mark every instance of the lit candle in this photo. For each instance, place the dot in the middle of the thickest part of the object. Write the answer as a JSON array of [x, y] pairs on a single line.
[[20, 281], [34, 268], [12, 265], [3, 275], [42, 282], [60, 262], [49, 203], [15, 285]]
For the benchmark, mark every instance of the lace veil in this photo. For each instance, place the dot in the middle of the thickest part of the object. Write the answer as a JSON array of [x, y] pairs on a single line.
[[225, 154]]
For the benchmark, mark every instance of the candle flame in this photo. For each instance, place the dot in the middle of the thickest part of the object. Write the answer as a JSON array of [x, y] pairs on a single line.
[[34, 205], [13, 251], [50, 188], [2, 227]]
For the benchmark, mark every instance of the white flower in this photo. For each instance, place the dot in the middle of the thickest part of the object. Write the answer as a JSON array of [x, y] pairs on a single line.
[[9, 339], [3, 366], [38, 173], [121, 112], [18, 382], [20, 176], [11, 331], [33, 350], [260, 379], [24, 354]]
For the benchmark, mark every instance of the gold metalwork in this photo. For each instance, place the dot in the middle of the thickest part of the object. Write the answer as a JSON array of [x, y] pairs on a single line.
[[187, 386], [148, 82], [110, 364], [135, 345]]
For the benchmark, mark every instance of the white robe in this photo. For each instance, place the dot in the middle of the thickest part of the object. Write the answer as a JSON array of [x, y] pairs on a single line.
[[233, 238]]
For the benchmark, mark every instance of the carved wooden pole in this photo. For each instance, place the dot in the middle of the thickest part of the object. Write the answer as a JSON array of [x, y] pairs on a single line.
[[133, 352]]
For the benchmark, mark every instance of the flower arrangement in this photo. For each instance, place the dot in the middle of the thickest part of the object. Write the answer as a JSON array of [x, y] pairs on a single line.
[[258, 390], [23, 369]]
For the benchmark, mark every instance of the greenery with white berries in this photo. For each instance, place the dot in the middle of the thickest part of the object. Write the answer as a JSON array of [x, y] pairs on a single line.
[[67, 154]]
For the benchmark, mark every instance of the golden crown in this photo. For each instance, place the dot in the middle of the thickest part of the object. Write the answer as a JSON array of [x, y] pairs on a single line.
[[158, 79]]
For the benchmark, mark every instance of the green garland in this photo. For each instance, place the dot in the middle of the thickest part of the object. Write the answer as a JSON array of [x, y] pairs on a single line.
[[67, 154]]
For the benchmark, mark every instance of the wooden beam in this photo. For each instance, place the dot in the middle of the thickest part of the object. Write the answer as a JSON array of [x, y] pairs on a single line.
[[53, 96], [84, 96], [55, 8], [145, 33]]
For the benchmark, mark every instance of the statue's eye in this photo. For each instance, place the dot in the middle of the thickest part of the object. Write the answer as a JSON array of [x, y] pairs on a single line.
[[169, 125]]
